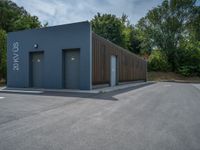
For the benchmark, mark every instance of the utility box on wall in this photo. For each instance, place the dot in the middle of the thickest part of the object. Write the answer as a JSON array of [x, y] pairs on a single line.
[[66, 57]]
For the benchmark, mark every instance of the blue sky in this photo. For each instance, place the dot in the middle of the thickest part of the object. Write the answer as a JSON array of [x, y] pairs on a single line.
[[57, 12]]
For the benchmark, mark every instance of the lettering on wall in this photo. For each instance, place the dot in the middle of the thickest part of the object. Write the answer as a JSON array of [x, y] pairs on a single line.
[[15, 56]]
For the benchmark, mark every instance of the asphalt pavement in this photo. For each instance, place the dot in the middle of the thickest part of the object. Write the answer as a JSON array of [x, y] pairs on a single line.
[[160, 116]]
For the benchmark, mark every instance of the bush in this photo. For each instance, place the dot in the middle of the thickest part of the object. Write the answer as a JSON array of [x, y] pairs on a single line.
[[186, 70], [158, 61], [189, 70], [3, 53], [188, 60]]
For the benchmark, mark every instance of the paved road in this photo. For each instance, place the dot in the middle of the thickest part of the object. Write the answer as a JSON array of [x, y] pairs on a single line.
[[161, 116]]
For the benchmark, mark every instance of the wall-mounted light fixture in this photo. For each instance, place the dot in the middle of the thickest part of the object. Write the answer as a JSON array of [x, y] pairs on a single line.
[[35, 45]]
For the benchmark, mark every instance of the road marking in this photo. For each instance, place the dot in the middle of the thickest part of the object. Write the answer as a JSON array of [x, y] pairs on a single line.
[[168, 85], [2, 97], [197, 86]]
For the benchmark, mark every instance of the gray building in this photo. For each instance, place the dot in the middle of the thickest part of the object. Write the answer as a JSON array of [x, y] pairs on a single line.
[[53, 57]]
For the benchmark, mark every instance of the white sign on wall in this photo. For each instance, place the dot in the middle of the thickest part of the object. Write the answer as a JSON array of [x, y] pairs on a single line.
[[15, 56]]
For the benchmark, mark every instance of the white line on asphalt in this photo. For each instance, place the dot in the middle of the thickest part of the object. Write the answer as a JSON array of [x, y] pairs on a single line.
[[197, 86], [2, 97], [168, 85]]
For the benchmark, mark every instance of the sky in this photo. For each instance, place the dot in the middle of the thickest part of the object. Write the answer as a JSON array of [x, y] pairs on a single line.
[[57, 12]]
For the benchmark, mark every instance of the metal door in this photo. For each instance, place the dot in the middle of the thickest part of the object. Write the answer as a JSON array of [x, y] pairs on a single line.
[[113, 71], [72, 69], [37, 68]]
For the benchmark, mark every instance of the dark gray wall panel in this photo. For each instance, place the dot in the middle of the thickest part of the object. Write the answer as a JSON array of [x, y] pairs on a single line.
[[51, 40]]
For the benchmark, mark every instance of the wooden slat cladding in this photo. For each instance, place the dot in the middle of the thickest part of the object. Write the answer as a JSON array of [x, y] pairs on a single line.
[[130, 67]]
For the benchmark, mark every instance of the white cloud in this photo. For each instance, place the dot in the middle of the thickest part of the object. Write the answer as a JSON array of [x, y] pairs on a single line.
[[66, 11]]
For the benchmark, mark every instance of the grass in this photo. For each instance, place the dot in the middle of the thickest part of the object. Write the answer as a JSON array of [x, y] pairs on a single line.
[[170, 76]]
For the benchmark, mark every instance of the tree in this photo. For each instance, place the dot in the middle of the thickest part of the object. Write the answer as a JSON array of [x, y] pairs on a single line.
[[3, 53], [109, 27], [195, 24], [188, 58], [117, 30], [127, 31], [13, 17], [136, 42], [166, 25], [158, 61]]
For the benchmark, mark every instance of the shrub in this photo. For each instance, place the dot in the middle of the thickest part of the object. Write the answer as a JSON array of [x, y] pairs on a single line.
[[158, 61], [189, 70], [186, 70], [188, 59], [3, 53]]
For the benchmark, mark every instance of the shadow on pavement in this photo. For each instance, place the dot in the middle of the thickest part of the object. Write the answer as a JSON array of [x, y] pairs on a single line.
[[99, 96]]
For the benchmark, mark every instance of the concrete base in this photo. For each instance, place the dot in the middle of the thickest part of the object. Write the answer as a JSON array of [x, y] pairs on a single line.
[[99, 90]]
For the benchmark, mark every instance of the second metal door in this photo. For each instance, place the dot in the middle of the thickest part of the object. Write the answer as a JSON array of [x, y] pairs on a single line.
[[72, 69]]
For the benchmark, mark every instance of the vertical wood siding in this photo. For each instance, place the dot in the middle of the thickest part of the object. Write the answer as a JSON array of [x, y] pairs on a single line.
[[130, 67]]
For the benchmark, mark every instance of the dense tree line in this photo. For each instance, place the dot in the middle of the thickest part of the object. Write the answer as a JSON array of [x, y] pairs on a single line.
[[173, 29], [118, 30], [13, 18], [169, 34]]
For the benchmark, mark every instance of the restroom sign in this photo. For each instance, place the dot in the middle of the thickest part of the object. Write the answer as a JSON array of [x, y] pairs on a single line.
[[15, 56]]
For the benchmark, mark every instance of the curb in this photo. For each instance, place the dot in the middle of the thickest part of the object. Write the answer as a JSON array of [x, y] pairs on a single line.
[[95, 91], [125, 86], [178, 81]]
